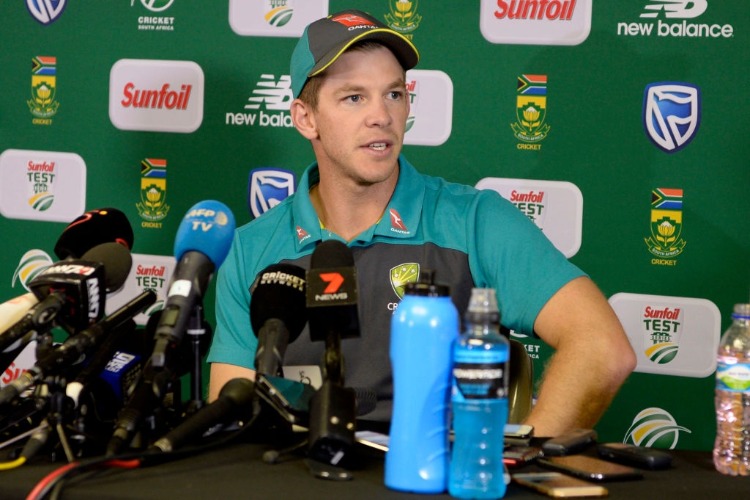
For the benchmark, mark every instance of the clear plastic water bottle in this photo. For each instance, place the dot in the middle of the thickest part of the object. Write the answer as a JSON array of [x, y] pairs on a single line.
[[732, 446], [479, 401], [423, 329]]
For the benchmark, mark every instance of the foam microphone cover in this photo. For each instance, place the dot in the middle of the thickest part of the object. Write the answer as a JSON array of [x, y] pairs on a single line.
[[116, 260], [101, 225], [279, 293]]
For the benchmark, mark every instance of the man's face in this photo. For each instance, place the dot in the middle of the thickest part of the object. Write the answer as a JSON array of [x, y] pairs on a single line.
[[361, 117]]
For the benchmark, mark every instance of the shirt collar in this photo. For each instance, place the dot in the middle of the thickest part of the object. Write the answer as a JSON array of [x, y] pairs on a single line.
[[400, 219]]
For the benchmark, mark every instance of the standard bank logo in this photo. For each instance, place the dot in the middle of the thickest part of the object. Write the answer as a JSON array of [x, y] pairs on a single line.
[[654, 428], [531, 22], [42, 185], [670, 335], [267, 187], [267, 106], [431, 101], [669, 18], [286, 18], [671, 114], [46, 11]]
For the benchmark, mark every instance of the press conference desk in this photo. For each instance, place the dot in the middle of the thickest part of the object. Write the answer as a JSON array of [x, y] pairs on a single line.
[[237, 471]]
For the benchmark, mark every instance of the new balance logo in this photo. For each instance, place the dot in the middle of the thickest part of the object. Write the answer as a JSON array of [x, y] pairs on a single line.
[[675, 9], [276, 95]]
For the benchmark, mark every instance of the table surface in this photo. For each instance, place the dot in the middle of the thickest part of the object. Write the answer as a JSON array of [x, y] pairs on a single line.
[[238, 471]]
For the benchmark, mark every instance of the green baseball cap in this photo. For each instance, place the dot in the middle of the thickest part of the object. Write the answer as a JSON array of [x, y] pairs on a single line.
[[324, 40]]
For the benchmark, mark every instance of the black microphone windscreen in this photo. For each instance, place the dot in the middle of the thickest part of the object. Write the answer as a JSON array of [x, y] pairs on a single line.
[[331, 253], [116, 260], [92, 228], [278, 292]]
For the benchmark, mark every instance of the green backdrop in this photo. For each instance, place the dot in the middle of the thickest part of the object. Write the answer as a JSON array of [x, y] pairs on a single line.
[[597, 141]]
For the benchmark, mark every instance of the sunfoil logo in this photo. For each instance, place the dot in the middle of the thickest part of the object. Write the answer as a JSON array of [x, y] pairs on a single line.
[[267, 106], [674, 19]]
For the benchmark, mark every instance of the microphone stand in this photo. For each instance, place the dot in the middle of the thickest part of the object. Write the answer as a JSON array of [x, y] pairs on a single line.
[[332, 416], [197, 330]]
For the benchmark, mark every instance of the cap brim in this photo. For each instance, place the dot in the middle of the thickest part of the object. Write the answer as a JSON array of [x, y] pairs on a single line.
[[402, 48]]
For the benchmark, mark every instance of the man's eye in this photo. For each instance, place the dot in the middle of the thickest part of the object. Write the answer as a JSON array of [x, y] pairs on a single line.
[[396, 94], [354, 98]]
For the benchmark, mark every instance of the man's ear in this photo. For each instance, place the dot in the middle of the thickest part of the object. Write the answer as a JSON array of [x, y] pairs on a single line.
[[303, 119]]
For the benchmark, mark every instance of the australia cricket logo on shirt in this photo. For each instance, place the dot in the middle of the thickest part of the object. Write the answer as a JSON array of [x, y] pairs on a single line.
[[153, 205], [666, 241], [279, 12], [403, 17], [43, 104], [403, 274], [531, 111]]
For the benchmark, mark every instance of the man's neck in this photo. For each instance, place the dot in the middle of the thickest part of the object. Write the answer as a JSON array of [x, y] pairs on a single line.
[[348, 212]]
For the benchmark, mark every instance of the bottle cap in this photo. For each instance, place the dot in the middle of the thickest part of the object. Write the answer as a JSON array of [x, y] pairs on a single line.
[[483, 303], [741, 311], [426, 286]]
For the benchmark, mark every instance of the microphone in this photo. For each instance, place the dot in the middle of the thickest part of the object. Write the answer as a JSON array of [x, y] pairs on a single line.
[[57, 361], [277, 314], [201, 245], [332, 292], [71, 293], [332, 309], [235, 399], [101, 225], [11, 311]]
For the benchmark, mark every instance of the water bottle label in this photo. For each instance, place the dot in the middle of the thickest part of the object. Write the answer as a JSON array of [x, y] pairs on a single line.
[[480, 380], [733, 377]]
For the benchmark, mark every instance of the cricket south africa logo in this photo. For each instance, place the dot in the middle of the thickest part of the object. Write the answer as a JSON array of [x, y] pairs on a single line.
[[403, 274], [654, 428], [279, 12], [402, 16], [531, 111], [153, 205], [671, 114], [43, 103], [666, 241]]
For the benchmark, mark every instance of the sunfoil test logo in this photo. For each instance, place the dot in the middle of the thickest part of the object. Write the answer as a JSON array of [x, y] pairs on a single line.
[[671, 114], [32, 264], [654, 428], [280, 18], [267, 187], [535, 22], [675, 336], [430, 118], [43, 103], [666, 242], [42, 185], [153, 206], [46, 11], [403, 17], [154, 22], [531, 112], [267, 106], [674, 19], [279, 12]]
